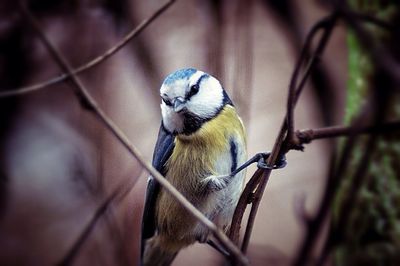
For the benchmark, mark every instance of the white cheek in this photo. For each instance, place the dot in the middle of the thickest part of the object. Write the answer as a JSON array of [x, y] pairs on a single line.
[[209, 99], [173, 122]]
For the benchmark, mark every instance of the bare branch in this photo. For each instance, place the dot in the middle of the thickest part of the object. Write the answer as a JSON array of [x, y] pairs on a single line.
[[295, 91], [121, 191], [90, 103], [276, 150], [380, 106], [245, 199], [308, 135], [315, 224], [260, 179], [127, 38], [327, 24]]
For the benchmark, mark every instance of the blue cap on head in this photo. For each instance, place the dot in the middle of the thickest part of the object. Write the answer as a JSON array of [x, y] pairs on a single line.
[[185, 73]]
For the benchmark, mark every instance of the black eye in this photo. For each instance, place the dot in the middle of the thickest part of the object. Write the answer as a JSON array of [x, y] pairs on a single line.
[[193, 90], [167, 102]]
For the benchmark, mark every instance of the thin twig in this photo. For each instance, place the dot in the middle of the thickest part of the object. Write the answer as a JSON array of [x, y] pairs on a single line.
[[385, 62], [121, 191], [244, 200], [92, 105], [282, 139], [254, 181], [308, 135], [276, 150], [327, 24], [101, 58]]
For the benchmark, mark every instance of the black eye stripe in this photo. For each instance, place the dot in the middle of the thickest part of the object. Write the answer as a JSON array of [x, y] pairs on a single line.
[[167, 102], [194, 89]]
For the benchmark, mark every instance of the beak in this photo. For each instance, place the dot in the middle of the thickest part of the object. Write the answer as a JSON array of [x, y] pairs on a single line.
[[179, 104]]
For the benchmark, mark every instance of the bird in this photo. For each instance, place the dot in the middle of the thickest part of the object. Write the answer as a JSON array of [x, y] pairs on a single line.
[[201, 142]]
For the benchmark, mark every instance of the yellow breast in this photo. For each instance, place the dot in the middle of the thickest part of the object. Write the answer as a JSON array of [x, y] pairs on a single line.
[[193, 158]]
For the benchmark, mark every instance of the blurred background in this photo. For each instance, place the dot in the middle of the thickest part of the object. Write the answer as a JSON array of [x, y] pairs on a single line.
[[58, 163]]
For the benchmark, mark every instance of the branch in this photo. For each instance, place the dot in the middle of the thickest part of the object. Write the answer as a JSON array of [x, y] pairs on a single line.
[[308, 135], [122, 190], [350, 199], [276, 151], [371, 19], [260, 178], [127, 38], [314, 225], [245, 198], [378, 55], [326, 24], [92, 105], [382, 89]]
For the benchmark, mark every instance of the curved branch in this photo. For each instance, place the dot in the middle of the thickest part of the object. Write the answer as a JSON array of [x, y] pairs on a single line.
[[259, 180], [101, 58], [327, 24]]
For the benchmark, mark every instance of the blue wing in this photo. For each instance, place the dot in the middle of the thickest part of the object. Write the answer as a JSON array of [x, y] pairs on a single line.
[[162, 151]]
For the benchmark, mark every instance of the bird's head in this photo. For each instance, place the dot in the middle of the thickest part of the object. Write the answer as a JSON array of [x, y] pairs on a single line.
[[189, 98]]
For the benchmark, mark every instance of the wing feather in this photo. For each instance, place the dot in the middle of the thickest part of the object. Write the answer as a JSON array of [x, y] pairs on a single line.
[[162, 151]]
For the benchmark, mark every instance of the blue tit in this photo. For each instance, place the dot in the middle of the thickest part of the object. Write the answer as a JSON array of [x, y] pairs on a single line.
[[201, 141]]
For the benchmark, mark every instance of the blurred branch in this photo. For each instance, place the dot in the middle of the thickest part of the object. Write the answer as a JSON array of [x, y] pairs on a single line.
[[243, 64], [334, 180], [127, 38], [121, 191], [213, 40], [299, 208], [372, 19], [304, 136], [314, 225], [350, 201], [378, 55], [89, 103], [337, 167], [286, 140], [142, 50]]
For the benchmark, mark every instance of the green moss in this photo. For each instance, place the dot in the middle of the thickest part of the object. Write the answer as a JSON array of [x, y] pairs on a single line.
[[372, 233]]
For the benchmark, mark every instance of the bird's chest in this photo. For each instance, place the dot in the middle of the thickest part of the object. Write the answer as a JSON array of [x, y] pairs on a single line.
[[188, 165], [192, 161]]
